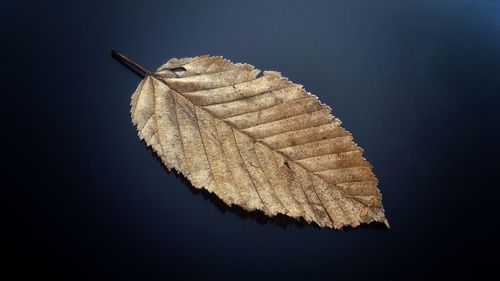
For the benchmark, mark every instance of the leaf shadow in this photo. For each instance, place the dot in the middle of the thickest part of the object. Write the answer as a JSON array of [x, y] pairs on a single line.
[[280, 220]]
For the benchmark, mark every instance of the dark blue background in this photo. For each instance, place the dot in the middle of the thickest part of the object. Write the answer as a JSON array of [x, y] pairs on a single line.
[[416, 82]]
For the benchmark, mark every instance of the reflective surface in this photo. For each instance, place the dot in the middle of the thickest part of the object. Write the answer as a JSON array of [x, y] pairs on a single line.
[[417, 84]]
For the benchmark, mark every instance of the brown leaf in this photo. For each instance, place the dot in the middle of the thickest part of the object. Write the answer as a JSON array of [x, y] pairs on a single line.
[[262, 143]]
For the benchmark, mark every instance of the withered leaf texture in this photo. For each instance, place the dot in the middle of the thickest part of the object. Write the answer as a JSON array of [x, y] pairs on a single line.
[[258, 141]]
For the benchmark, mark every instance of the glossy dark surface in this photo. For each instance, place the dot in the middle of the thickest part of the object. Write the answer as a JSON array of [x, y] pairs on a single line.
[[416, 82]]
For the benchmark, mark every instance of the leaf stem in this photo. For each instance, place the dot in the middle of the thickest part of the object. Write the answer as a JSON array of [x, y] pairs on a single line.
[[130, 63]]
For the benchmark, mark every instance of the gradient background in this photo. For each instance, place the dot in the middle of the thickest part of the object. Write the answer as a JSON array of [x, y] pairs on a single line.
[[416, 82]]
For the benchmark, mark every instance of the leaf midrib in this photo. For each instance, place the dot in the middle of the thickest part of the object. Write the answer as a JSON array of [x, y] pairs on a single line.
[[310, 173]]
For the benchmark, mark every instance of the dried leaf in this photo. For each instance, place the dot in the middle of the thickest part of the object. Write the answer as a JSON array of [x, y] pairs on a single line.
[[262, 143]]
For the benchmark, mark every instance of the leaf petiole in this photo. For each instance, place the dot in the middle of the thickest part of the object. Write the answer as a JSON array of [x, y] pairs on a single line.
[[130, 63]]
